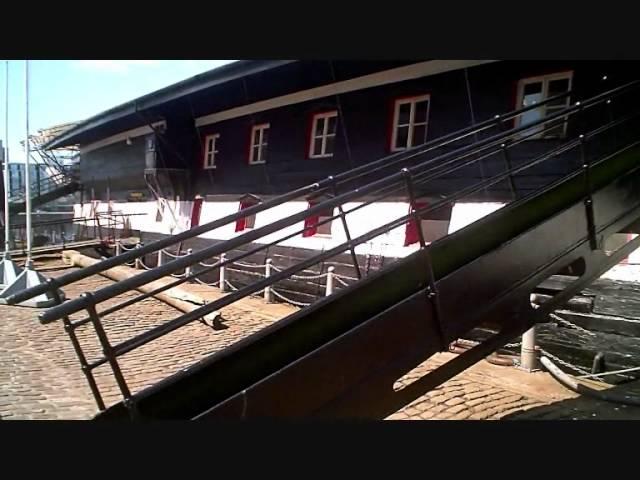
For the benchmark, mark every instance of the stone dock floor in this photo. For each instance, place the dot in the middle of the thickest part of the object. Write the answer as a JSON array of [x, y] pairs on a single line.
[[40, 377]]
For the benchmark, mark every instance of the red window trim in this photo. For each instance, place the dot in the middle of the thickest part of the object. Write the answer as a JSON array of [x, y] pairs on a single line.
[[311, 222], [241, 223], [411, 233], [196, 211]]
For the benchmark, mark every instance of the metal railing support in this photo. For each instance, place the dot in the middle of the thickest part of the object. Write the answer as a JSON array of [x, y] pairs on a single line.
[[222, 285], [268, 295], [138, 263], [329, 285], [187, 270]]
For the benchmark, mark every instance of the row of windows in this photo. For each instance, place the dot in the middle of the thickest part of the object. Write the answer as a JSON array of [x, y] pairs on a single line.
[[410, 121]]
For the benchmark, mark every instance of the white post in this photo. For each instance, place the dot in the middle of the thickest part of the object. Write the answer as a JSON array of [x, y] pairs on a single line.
[[159, 258], [267, 273], [187, 270], [138, 259], [27, 174], [222, 285], [118, 251], [329, 285], [528, 359], [7, 235]]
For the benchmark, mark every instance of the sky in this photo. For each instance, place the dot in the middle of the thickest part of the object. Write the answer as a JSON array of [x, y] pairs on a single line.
[[63, 91]]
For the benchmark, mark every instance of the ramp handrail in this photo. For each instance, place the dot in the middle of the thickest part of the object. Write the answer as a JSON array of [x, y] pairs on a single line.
[[373, 187], [407, 180], [331, 184]]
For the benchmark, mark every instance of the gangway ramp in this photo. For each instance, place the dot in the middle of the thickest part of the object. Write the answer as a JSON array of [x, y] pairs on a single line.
[[340, 357]]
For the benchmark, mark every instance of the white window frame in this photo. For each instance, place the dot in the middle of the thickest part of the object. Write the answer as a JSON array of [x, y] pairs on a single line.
[[258, 146], [210, 153], [544, 79], [412, 123], [325, 116]]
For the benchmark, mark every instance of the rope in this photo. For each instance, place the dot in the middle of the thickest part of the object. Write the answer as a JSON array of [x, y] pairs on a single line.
[[614, 372], [308, 277], [276, 268], [126, 249], [342, 282], [248, 265], [288, 300], [214, 284], [208, 265], [229, 284], [566, 364], [252, 274], [179, 275], [145, 266], [562, 321], [171, 255]]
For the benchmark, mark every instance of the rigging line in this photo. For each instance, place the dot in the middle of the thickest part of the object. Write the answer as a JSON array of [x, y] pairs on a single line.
[[341, 119], [473, 121], [200, 144]]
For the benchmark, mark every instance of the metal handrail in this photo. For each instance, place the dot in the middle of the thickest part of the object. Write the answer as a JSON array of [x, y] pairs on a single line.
[[405, 179], [128, 345], [180, 263], [315, 188]]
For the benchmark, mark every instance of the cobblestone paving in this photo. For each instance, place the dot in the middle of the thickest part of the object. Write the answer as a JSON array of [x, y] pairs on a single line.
[[40, 377]]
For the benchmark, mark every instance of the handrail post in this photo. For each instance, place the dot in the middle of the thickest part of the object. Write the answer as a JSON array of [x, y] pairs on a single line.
[[329, 285], [268, 297], [187, 269], [118, 247], [159, 262], [138, 263], [222, 285]]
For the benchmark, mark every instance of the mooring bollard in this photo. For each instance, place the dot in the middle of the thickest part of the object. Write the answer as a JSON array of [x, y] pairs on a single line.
[[159, 258], [528, 360], [329, 285], [187, 270], [138, 259], [118, 248], [222, 285], [267, 273]]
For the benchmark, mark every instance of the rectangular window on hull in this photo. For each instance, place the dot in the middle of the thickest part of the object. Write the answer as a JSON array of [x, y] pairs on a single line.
[[323, 134], [259, 143], [410, 121], [210, 150], [534, 90]]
